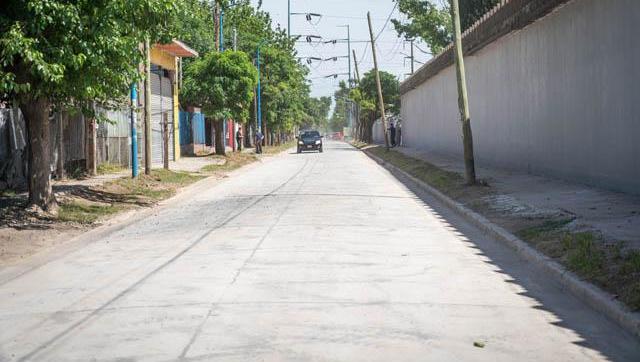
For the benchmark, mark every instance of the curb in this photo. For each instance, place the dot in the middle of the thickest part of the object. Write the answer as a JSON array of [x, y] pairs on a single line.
[[595, 297]]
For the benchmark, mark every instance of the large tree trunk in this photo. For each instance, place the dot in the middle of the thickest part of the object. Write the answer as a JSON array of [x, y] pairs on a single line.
[[219, 134], [36, 116]]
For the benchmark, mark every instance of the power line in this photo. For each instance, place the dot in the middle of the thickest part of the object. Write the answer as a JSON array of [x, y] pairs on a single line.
[[387, 21]]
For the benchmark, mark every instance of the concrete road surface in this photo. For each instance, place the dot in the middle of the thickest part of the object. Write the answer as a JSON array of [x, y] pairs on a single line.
[[310, 257]]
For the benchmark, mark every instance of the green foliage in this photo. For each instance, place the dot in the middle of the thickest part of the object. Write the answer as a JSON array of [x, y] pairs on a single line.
[[85, 50], [339, 118], [195, 27], [222, 83], [285, 91], [317, 110], [390, 90], [431, 20], [427, 21]]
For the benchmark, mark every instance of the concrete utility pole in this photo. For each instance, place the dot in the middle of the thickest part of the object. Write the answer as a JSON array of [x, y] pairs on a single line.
[[378, 85], [463, 102], [235, 39], [147, 108]]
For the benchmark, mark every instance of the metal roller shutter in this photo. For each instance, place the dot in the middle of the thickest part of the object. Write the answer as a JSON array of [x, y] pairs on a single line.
[[161, 102]]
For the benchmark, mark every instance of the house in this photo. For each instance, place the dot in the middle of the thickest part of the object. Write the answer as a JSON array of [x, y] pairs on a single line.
[[165, 79]]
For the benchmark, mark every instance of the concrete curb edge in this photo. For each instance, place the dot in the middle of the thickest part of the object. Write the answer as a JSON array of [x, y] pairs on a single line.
[[595, 297]]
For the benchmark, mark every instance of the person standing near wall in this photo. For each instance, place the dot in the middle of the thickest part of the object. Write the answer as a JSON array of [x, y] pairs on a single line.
[[399, 131], [239, 138], [259, 138], [392, 133]]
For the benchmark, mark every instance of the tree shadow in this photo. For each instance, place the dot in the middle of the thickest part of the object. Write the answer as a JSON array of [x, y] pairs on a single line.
[[594, 330]]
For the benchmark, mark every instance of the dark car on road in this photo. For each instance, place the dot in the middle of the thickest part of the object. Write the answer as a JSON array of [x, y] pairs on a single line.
[[309, 141]]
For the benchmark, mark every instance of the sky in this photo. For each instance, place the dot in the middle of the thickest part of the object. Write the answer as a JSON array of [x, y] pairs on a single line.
[[391, 50]]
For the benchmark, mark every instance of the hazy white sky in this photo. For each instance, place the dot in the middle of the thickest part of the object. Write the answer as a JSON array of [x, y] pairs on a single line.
[[343, 12]]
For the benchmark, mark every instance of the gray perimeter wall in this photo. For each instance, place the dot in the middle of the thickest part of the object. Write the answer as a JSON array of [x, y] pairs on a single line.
[[560, 97]]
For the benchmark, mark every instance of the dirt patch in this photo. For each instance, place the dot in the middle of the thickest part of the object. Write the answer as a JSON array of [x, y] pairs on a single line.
[[81, 207]]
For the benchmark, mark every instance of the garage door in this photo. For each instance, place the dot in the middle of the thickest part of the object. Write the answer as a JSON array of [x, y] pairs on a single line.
[[161, 104]]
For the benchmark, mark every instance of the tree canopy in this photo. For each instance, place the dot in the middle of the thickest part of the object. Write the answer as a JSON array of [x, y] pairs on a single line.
[[431, 20], [68, 53], [222, 83], [74, 51]]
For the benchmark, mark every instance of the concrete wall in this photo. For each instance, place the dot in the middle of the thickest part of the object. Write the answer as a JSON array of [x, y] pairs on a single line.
[[560, 97]]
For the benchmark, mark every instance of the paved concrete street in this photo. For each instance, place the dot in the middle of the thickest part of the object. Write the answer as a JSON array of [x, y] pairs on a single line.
[[323, 257]]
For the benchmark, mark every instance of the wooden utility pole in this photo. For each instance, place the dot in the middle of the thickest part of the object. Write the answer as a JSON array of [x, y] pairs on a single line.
[[216, 26], [378, 85], [60, 144], [147, 108], [412, 58], [463, 102], [165, 140], [355, 61], [90, 141]]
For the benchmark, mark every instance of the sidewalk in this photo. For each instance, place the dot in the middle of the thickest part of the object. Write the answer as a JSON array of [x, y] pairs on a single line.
[[615, 215]]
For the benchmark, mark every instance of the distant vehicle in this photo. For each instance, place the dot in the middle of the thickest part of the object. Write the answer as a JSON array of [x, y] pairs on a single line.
[[309, 141]]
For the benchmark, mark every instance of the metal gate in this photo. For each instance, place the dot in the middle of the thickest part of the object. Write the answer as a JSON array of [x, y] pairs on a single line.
[[161, 104]]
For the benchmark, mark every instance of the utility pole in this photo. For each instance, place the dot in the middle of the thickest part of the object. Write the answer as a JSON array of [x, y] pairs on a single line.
[[463, 102], [289, 18], [355, 62], [259, 91], [165, 140], [216, 25], [412, 57], [380, 97], [147, 108], [134, 132], [221, 29], [60, 144], [235, 39], [358, 123]]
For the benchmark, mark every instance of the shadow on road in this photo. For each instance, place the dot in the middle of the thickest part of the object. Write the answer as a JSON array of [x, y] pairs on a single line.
[[536, 286]]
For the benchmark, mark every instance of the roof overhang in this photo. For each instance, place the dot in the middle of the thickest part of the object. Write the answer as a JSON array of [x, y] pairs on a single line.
[[177, 49]]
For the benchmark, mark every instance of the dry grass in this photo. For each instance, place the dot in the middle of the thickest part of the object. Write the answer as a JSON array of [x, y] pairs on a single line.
[[230, 162]]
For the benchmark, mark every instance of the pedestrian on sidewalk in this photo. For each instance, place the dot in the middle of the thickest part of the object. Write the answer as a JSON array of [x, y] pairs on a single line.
[[399, 131], [239, 138], [259, 138], [392, 133]]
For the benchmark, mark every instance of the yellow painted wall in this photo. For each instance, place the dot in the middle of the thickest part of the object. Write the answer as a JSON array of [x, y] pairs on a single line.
[[163, 59]]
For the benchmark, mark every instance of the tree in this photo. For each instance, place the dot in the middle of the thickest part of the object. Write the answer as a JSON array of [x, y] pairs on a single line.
[[339, 118], [57, 53], [317, 113], [285, 90], [222, 83], [432, 22], [366, 96]]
